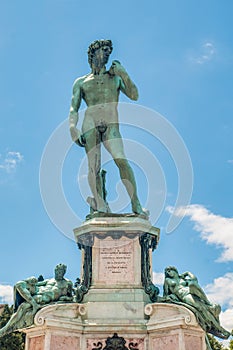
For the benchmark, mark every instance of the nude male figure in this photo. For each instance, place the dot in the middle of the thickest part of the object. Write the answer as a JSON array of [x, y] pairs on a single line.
[[100, 90], [31, 295], [55, 289]]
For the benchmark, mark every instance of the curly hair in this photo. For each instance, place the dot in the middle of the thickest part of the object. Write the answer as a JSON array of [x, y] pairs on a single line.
[[62, 267], [95, 45]]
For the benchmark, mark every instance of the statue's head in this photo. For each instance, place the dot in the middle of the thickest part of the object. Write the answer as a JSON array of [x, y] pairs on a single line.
[[31, 280], [60, 270], [170, 270], [31, 284], [99, 52]]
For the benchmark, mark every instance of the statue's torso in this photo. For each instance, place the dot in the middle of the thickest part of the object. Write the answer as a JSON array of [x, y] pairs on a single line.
[[101, 94], [57, 288], [100, 89]]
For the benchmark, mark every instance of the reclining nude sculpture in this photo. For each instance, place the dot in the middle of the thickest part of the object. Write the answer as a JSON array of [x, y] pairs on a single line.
[[100, 90], [30, 295], [184, 290]]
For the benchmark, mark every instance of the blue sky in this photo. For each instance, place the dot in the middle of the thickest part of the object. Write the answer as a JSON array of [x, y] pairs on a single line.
[[180, 55]]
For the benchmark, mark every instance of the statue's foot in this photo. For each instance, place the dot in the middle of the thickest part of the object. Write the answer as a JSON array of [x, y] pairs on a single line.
[[137, 209], [103, 209]]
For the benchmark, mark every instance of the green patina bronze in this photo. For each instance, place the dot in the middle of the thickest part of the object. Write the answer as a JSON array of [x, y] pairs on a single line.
[[184, 290], [30, 295], [100, 90]]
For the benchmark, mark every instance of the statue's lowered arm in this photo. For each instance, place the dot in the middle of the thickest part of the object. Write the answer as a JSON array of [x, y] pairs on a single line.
[[73, 115]]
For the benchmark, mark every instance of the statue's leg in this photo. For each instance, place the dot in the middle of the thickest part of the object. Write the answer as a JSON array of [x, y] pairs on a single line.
[[92, 147], [13, 322], [207, 315], [198, 291], [113, 143]]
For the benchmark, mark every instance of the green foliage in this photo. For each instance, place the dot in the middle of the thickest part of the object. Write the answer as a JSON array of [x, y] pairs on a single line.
[[13, 341], [231, 345], [216, 345]]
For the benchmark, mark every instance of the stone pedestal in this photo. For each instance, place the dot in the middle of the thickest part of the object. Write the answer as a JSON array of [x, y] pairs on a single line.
[[116, 258], [57, 327], [68, 327], [114, 309], [173, 327]]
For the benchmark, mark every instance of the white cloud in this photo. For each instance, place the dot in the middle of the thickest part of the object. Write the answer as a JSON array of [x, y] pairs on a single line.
[[226, 319], [6, 294], [206, 53], [214, 229], [217, 290], [10, 162], [221, 292], [158, 278]]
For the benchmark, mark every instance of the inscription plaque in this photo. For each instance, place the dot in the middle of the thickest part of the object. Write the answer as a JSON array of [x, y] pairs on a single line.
[[116, 261]]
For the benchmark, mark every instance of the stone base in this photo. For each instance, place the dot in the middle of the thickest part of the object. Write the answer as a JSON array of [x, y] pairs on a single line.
[[115, 250], [116, 271], [173, 327], [159, 327], [57, 327]]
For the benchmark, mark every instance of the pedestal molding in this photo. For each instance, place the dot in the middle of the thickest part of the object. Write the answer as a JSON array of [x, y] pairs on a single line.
[[169, 313], [59, 311], [106, 224]]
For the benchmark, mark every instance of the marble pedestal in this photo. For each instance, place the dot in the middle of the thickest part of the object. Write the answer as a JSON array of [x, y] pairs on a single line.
[[116, 307], [114, 249], [68, 327], [173, 327]]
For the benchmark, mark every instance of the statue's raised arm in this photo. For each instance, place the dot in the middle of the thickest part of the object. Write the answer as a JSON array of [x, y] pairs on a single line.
[[127, 86]]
